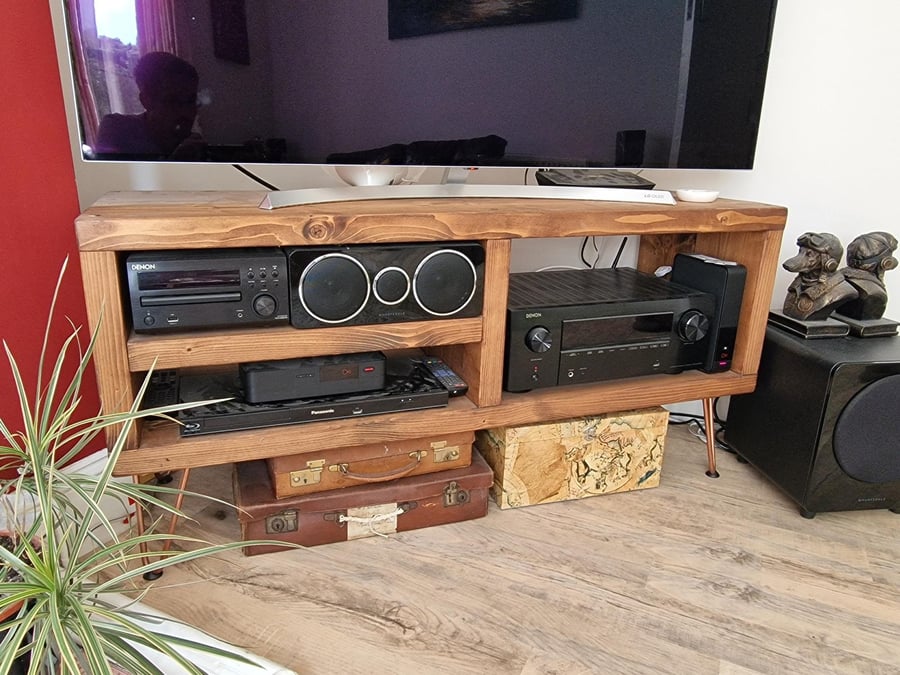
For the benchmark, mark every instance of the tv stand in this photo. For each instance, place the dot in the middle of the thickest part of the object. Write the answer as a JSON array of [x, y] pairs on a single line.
[[746, 232], [284, 198]]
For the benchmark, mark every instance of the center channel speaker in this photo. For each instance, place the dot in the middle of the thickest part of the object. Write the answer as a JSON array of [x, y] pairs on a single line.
[[384, 283], [824, 421]]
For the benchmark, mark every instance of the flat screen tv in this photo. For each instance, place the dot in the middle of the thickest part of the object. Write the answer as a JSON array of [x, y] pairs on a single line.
[[472, 83]]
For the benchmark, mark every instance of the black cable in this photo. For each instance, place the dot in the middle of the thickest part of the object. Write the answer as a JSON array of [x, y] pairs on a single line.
[[584, 246], [688, 418], [727, 447], [252, 175], [615, 261]]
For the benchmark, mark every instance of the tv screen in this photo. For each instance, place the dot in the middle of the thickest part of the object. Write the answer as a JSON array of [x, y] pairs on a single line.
[[532, 83]]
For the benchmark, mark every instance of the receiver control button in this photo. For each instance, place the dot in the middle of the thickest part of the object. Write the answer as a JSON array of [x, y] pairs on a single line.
[[538, 339], [264, 305], [693, 326]]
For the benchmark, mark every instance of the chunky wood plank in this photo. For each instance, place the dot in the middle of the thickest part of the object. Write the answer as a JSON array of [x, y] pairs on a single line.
[[477, 362], [140, 221], [106, 320], [218, 348], [702, 576]]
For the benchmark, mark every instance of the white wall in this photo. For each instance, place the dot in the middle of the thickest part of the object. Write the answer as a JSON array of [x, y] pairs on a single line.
[[828, 147]]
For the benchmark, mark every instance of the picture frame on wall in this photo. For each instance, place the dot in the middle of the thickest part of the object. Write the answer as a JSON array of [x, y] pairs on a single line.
[[412, 18]]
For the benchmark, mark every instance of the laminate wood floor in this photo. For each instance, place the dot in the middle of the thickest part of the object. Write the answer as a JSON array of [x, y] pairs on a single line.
[[696, 576]]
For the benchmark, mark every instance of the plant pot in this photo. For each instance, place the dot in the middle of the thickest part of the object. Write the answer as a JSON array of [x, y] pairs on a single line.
[[10, 611]]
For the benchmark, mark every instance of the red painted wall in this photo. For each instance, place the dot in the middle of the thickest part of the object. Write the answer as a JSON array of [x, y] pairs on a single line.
[[38, 199]]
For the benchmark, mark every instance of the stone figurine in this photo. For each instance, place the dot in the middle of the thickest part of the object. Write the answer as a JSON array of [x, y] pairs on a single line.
[[820, 288], [868, 257]]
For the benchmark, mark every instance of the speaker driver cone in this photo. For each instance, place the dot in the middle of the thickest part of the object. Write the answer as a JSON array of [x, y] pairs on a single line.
[[866, 432], [391, 285], [444, 282], [334, 288]]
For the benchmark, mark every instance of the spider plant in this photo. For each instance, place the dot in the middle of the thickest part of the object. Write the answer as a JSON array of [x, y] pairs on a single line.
[[66, 555]]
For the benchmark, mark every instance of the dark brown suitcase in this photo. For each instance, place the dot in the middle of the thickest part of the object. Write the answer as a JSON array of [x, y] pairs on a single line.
[[310, 472], [350, 513]]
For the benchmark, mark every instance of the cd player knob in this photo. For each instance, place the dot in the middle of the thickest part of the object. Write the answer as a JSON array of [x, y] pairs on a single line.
[[538, 339], [264, 305], [693, 326]]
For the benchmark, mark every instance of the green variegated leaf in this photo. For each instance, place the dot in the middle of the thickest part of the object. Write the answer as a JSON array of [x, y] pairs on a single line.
[[64, 620]]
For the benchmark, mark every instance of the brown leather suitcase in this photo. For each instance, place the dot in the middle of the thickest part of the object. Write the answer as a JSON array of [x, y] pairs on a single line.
[[350, 513], [310, 472]]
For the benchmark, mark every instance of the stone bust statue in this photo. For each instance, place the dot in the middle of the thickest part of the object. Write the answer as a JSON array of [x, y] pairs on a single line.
[[868, 257], [819, 287]]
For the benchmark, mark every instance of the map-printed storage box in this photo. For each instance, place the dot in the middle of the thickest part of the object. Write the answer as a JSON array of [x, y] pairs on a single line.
[[578, 458]]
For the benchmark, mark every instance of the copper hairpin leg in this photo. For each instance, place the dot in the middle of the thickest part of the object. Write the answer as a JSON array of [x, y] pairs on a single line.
[[709, 420], [173, 521]]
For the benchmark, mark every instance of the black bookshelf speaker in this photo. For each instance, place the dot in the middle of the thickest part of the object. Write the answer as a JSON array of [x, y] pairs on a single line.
[[824, 421], [384, 283], [725, 280]]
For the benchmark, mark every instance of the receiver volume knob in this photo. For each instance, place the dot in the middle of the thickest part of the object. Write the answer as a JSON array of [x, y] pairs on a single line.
[[693, 326], [264, 305], [538, 339]]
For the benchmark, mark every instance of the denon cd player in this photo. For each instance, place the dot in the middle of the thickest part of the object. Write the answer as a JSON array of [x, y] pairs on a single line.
[[174, 290]]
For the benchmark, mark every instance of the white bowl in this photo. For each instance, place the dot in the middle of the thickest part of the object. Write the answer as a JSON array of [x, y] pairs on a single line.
[[697, 195], [370, 174]]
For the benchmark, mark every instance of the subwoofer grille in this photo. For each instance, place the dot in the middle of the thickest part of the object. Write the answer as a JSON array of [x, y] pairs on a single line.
[[866, 433]]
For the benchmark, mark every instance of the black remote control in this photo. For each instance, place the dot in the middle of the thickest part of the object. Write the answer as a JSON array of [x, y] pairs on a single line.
[[441, 372]]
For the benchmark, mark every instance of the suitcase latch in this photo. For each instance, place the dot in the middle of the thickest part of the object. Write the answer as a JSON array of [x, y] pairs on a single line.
[[454, 496], [286, 521], [444, 453], [311, 475]]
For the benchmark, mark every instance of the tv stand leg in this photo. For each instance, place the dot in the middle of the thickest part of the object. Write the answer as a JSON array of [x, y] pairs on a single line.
[[153, 575], [709, 421]]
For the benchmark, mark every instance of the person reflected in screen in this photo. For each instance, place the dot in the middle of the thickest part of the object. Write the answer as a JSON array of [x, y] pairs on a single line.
[[167, 86]]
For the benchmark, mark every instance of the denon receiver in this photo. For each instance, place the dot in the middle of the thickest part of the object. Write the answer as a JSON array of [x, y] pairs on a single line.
[[172, 290], [576, 326]]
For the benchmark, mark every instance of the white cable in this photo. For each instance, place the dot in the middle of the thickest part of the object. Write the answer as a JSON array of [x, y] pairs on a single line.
[[557, 267]]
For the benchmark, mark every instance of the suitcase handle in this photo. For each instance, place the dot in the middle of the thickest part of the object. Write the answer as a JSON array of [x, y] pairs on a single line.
[[384, 475]]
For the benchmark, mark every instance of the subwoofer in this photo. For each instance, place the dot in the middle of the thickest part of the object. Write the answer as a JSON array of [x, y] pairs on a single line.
[[384, 283], [824, 421]]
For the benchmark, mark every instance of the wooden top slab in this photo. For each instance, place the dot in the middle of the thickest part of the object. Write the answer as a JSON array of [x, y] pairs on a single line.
[[161, 220]]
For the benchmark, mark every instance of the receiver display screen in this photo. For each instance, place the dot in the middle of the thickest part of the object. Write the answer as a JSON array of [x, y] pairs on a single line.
[[183, 279], [616, 330]]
